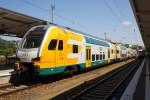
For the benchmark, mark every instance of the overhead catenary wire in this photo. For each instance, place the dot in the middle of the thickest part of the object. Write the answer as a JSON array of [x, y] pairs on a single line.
[[121, 14], [119, 10], [43, 9], [34, 5], [56, 14], [112, 11], [71, 21]]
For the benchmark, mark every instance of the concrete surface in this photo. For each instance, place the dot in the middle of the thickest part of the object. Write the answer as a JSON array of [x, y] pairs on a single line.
[[5, 76]]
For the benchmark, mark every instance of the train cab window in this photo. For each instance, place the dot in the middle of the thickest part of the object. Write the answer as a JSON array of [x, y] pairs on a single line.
[[34, 38], [97, 57], [75, 48], [93, 57], [60, 46], [52, 45]]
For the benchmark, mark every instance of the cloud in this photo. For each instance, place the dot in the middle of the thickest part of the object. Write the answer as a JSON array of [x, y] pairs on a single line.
[[126, 23]]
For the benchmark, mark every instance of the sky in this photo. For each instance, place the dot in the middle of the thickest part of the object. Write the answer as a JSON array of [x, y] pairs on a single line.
[[96, 17]]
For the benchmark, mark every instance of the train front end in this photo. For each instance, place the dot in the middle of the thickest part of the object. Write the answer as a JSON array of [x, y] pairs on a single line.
[[27, 53]]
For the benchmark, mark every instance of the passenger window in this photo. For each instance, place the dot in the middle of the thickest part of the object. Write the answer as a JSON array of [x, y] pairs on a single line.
[[103, 56], [100, 56], [112, 51], [60, 46], [75, 48], [52, 45], [93, 57], [97, 57], [117, 51]]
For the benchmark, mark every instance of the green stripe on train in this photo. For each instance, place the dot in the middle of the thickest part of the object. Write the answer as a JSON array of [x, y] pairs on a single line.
[[60, 69], [56, 70], [99, 63]]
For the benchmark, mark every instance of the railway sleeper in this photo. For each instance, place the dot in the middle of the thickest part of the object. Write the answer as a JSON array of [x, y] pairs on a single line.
[[91, 97]]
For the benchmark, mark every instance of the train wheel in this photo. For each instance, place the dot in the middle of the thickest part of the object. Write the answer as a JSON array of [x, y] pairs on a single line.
[[77, 69], [70, 70]]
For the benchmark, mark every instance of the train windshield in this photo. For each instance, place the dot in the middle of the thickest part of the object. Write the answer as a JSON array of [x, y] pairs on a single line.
[[34, 38]]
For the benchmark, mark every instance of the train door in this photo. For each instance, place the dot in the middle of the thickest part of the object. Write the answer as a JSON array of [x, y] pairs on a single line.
[[127, 55], [108, 55], [88, 56], [51, 52], [120, 54], [60, 51], [115, 52]]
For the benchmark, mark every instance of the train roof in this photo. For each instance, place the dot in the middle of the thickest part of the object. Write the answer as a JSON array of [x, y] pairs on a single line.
[[70, 29], [89, 38], [105, 42]]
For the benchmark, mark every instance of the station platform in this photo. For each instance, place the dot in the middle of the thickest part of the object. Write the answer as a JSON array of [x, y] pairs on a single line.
[[143, 87], [5, 72], [5, 76], [139, 87]]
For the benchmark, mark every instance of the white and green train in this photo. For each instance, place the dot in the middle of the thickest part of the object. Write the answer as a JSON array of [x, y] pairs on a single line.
[[52, 49]]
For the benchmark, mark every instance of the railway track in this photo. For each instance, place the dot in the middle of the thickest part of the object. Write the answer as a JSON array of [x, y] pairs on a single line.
[[42, 88], [8, 89], [11, 89], [103, 88]]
